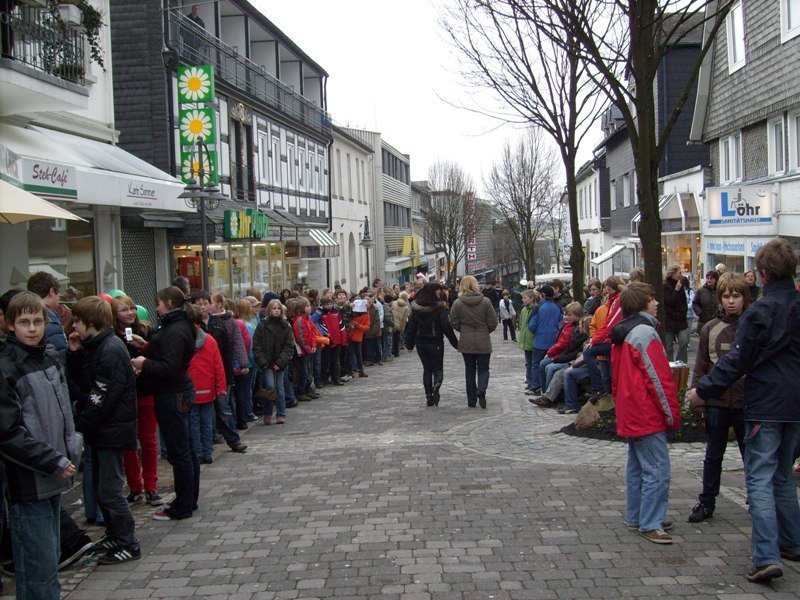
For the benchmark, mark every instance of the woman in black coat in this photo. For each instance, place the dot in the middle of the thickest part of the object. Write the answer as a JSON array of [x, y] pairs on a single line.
[[676, 305], [164, 372], [426, 329]]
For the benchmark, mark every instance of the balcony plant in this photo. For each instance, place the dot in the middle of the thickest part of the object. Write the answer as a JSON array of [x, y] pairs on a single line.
[[91, 22]]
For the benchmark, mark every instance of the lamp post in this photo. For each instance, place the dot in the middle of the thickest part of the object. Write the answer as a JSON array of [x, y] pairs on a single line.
[[198, 194], [367, 242]]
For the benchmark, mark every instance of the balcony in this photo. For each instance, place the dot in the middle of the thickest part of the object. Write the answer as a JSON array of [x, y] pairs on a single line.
[[42, 65], [196, 46]]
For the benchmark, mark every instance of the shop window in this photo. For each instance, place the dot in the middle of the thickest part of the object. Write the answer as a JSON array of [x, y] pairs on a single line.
[[240, 269], [65, 249]]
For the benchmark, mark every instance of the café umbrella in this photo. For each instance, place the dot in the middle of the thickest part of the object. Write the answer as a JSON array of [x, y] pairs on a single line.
[[18, 206]]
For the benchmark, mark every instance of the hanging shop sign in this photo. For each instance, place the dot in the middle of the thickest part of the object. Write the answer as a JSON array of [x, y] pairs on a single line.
[[249, 224], [195, 84], [197, 122], [742, 205], [190, 166]]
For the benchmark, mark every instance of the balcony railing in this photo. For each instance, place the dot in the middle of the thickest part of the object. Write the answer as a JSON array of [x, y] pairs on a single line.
[[196, 46], [32, 37]]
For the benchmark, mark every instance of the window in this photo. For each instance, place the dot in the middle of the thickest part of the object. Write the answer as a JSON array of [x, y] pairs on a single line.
[[613, 194], [301, 170], [626, 190], [312, 181], [321, 188], [276, 160], [775, 149], [358, 177], [349, 179], [735, 29], [396, 216], [794, 140], [263, 154], [790, 19], [730, 158], [363, 183], [339, 172], [292, 170], [580, 204]]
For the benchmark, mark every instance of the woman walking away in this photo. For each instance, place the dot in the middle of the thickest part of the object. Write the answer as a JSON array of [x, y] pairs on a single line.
[[474, 317], [164, 371], [426, 329], [507, 315]]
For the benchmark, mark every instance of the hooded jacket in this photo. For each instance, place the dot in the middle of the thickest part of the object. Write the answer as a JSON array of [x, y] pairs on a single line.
[[359, 324], [645, 397], [428, 324], [507, 309], [705, 304], [613, 316], [525, 337], [206, 369], [574, 347], [171, 347], [544, 324], [563, 339], [106, 409], [37, 434], [273, 343], [400, 312], [716, 340], [305, 334], [473, 316]]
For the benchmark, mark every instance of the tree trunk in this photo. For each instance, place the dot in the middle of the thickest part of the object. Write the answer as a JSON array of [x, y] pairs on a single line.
[[577, 256]]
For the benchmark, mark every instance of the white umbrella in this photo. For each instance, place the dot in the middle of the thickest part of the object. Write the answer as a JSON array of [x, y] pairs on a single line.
[[18, 206]]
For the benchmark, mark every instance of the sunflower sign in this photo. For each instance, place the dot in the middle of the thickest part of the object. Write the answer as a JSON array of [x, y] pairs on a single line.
[[190, 166], [195, 84]]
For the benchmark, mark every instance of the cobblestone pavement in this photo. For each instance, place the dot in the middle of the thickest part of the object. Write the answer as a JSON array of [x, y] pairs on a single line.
[[366, 492]]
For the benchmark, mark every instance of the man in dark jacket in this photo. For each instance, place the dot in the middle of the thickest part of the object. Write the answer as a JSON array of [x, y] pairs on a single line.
[[767, 350], [99, 363], [47, 288], [676, 305]]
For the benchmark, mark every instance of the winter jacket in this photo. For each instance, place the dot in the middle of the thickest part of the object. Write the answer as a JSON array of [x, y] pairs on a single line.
[[235, 339], [37, 435], [474, 318], [645, 397], [171, 347], [591, 305], [374, 322], [106, 409], [705, 305], [429, 324], [144, 398], [388, 320], [507, 309], [273, 343], [574, 348], [316, 318], [767, 350], [247, 339], [675, 305], [563, 299], [206, 369], [305, 334], [525, 337], [544, 324], [562, 340], [755, 293], [54, 333], [716, 340], [613, 317], [400, 314], [359, 324], [598, 319], [332, 321]]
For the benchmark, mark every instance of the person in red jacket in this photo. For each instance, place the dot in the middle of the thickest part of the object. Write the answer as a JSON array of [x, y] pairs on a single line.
[[646, 403], [305, 335], [208, 376], [599, 344], [572, 315], [332, 322], [359, 324]]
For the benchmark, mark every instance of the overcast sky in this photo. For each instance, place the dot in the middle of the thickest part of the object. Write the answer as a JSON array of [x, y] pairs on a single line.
[[389, 67]]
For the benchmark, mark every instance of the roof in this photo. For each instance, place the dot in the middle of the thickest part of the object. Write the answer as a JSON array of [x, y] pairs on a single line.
[[346, 135]]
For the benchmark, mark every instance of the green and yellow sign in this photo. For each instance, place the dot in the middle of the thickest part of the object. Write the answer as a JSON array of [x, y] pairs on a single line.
[[190, 166], [195, 84], [197, 122], [249, 224]]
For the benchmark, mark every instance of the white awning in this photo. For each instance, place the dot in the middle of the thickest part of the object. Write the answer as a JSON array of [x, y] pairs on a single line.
[[598, 260], [324, 239], [62, 166], [394, 264]]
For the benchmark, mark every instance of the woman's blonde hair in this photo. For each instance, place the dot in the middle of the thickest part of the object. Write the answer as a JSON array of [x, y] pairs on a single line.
[[468, 284], [275, 302], [574, 308]]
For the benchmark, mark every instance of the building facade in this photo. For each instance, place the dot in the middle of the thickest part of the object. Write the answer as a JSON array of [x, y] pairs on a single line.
[[594, 216]]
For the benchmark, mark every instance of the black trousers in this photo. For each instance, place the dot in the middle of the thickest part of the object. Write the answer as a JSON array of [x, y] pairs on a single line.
[[432, 356]]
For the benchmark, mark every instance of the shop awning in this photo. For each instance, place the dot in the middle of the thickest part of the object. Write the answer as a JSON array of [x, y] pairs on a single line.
[[326, 243], [62, 166], [396, 263], [608, 254], [18, 206], [678, 208]]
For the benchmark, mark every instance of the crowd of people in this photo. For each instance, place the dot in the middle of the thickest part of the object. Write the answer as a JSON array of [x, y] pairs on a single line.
[[107, 384]]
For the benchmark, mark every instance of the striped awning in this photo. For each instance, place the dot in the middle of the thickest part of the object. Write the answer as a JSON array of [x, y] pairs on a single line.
[[328, 247]]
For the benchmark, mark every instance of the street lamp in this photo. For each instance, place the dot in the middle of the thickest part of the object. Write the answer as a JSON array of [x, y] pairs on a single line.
[[198, 194], [367, 242]]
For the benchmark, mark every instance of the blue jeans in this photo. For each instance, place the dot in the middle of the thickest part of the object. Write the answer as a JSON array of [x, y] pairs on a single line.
[[771, 489], [90, 510], [316, 373], [354, 352], [387, 346], [572, 381], [35, 538], [718, 421], [647, 481], [275, 380], [596, 378], [529, 379], [288, 388], [225, 422], [549, 371], [244, 397], [681, 338], [538, 355], [202, 427], [476, 364]]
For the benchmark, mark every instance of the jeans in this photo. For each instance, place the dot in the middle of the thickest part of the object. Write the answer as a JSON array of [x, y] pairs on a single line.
[[681, 338], [35, 539], [548, 368], [771, 489], [354, 352], [556, 387], [508, 325], [330, 364], [143, 476], [647, 481], [202, 427], [572, 381], [316, 366], [476, 364], [596, 379], [718, 420], [387, 346], [225, 423], [373, 349], [431, 354], [538, 355], [172, 412], [288, 388], [244, 397], [529, 378], [90, 510], [108, 480], [274, 380]]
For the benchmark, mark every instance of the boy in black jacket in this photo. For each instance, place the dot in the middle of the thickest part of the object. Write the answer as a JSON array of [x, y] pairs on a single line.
[[98, 361]]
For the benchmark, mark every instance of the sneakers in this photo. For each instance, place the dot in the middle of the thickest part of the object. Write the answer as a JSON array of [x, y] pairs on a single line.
[[69, 557], [764, 573], [120, 555], [701, 512], [657, 536], [280, 421], [104, 545], [665, 525], [153, 499], [542, 401], [596, 395], [135, 497], [303, 398], [239, 448], [567, 411], [162, 515], [536, 392], [789, 555], [312, 395]]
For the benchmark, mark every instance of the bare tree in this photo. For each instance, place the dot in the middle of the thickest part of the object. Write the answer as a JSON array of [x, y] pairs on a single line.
[[539, 81], [504, 249], [446, 222], [523, 189], [624, 56]]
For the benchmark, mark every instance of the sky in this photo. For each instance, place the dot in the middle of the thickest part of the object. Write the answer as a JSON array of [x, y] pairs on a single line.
[[391, 69]]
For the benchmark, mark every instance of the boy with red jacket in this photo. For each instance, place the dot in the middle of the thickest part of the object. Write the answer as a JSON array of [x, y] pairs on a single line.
[[572, 314], [332, 322], [359, 322], [646, 403], [208, 375]]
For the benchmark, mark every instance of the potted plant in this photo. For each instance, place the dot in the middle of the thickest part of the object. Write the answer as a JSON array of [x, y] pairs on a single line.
[[90, 22], [70, 71]]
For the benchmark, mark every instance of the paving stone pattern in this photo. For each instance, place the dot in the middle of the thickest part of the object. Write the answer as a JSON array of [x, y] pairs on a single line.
[[367, 493]]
